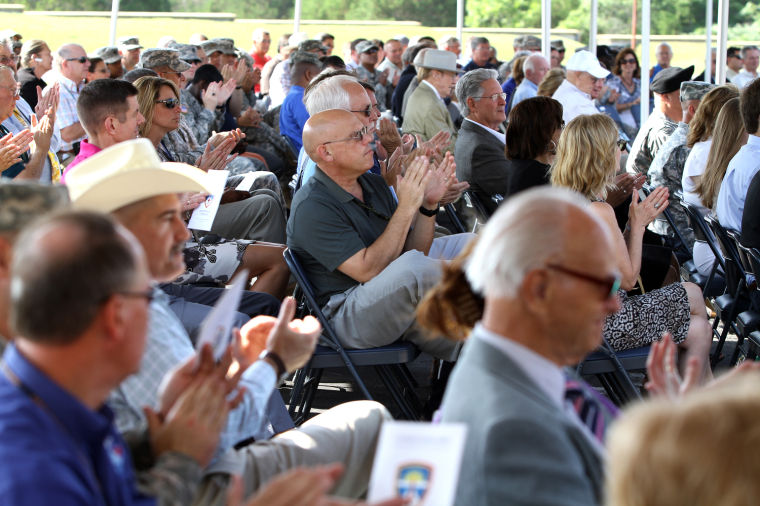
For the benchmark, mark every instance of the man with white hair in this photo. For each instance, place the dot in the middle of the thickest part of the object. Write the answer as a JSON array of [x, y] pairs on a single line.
[[751, 57], [663, 54], [546, 268], [479, 150], [535, 68], [72, 64], [585, 78]]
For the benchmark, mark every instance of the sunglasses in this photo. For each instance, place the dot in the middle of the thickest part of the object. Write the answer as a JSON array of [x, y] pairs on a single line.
[[81, 59], [611, 285], [622, 144], [628, 60], [146, 294], [355, 136], [170, 103]]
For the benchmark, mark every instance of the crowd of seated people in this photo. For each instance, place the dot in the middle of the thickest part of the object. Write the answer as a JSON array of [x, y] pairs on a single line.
[[106, 154]]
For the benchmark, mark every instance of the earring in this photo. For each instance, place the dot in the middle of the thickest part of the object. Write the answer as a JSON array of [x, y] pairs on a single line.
[[552, 147]]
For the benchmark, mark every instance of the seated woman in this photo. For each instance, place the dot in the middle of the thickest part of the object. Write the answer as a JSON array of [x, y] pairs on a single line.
[[702, 176], [244, 223], [533, 130], [587, 157], [626, 82]]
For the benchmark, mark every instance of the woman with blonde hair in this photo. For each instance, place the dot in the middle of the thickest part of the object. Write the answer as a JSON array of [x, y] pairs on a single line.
[[587, 158], [550, 82], [704, 173]]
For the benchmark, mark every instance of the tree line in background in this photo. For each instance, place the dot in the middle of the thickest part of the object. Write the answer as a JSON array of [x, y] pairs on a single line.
[[668, 16]]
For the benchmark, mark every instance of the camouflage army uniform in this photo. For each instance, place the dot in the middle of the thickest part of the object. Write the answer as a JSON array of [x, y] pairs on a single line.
[[371, 78], [651, 136], [200, 120], [670, 177]]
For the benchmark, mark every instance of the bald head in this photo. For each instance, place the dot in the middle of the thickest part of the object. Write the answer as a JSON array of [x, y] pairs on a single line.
[[326, 126]]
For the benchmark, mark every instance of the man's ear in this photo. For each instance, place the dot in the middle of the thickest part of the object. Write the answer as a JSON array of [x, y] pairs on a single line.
[[534, 290], [324, 153]]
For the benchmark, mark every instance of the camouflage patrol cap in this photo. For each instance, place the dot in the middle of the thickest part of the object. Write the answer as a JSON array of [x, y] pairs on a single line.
[[226, 45], [129, 43], [187, 52], [694, 90], [162, 57], [211, 46], [304, 57], [311, 45], [109, 54], [21, 202]]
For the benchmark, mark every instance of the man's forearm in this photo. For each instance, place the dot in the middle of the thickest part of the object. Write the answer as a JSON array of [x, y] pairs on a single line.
[[421, 235], [33, 168]]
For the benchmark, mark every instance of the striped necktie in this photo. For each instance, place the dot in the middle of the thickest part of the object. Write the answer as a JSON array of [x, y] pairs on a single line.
[[594, 411]]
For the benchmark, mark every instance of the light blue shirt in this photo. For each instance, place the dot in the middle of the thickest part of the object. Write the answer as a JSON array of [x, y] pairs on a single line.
[[741, 169], [527, 89], [168, 346]]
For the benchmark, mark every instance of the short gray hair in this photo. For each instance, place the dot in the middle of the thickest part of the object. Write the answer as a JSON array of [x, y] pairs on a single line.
[[476, 41], [329, 94], [471, 85], [524, 234], [745, 49], [530, 61]]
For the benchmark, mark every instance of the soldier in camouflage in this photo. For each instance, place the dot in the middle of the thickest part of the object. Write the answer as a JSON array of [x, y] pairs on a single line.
[[662, 122], [667, 167]]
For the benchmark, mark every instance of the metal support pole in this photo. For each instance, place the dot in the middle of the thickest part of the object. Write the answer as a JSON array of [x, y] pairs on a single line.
[[708, 41], [114, 17], [546, 28], [645, 6], [593, 29], [720, 61], [460, 20], [297, 17]]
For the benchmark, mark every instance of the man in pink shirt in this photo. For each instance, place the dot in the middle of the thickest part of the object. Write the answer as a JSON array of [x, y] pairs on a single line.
[[109, 114]]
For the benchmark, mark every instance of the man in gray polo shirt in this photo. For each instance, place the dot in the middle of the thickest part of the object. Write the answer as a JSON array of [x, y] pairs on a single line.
[[369, 258]]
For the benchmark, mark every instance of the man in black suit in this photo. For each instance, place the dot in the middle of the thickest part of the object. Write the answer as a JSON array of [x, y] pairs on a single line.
[[479, 150]]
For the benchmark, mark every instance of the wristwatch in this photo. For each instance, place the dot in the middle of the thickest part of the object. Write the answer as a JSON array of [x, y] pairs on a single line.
[[428, 212], [279, 365]]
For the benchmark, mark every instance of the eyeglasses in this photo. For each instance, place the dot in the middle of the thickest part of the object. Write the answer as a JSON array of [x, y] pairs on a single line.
[[170, 103], [495, 97], [366, 111], [81, 59], [355, 136], [611, 284], [628, 60], [622, 144], [8, 60], [13, 89]]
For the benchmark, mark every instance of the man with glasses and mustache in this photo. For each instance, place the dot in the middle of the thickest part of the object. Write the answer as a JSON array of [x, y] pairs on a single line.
[[72, 64]]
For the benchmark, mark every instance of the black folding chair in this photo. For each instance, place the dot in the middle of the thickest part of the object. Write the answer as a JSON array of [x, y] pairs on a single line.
[[736, 299], [456, 221], [747, 322], [714, 284], [388, 361], [612, 369], [681, 244]]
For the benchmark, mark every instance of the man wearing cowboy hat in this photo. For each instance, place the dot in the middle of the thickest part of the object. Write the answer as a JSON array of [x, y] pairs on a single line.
[[426, 113], [128, 181]]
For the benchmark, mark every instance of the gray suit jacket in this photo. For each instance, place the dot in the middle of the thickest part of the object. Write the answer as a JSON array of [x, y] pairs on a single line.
[[521, 448], [481, 161]]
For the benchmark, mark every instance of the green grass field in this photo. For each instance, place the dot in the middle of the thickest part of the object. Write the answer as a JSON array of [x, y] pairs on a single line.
[[93, 32]]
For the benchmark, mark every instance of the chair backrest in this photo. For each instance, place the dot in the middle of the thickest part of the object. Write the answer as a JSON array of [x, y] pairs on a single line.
[[702, 230], [743, 257], [474, 201], [456, 221], [328, 337], [735, 275]]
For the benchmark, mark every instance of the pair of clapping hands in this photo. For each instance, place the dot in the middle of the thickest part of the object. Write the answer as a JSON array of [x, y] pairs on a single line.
[[441, 164], [194, 398], [37, 136]]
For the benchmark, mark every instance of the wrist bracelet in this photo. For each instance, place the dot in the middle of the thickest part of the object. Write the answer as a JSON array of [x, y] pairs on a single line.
[[428, 212]]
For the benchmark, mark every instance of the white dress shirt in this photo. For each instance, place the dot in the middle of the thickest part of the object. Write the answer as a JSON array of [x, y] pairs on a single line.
[[574, 101]]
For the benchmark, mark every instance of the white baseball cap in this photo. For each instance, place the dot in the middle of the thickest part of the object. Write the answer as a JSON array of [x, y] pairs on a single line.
[[586, 62]]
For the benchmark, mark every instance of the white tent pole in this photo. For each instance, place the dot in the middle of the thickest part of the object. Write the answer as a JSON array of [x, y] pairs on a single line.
[[644, 60], [593, 29], [114, 17], [720, 61], [460, 20], [297, 17], [708, 42], [546, 27]]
